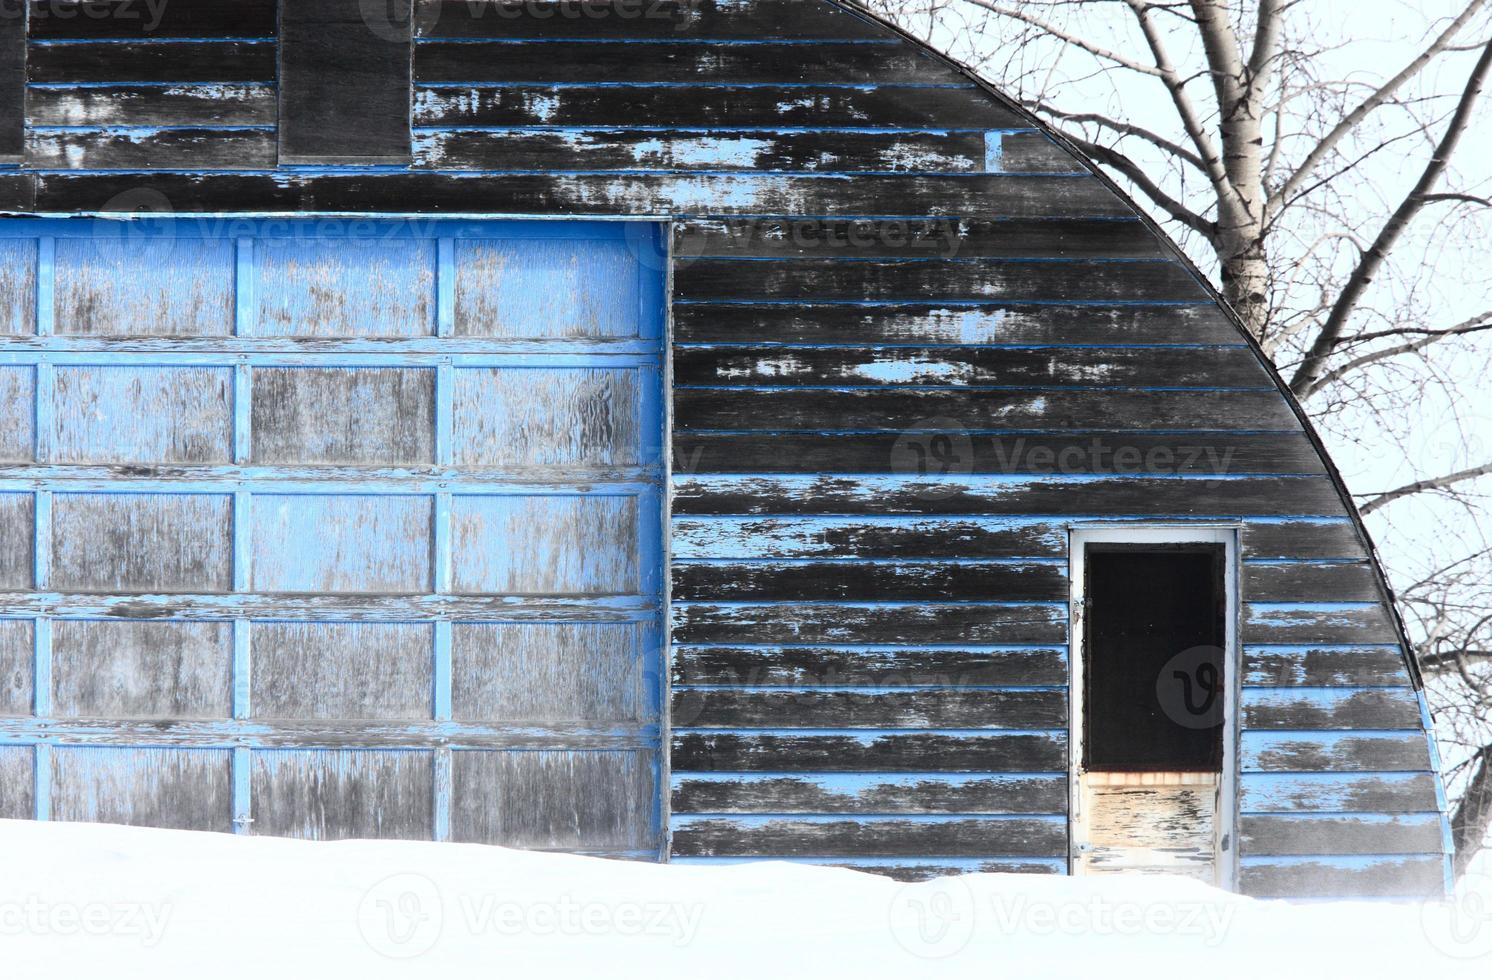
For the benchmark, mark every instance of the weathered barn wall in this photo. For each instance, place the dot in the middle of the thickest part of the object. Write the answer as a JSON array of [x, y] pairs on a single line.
[[913, 342]]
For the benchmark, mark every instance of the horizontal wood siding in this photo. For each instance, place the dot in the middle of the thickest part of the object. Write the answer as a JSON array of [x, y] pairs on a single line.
[[914, 341]]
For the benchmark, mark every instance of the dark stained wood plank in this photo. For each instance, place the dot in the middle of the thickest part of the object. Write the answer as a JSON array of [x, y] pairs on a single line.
[[1095, 453], [869, 752], [954, 280], [780, 495], [154, 105], [344, 82], [890, 409], [643, 20], [1407, 751], [931, 323], [205, 61], [1339, 793], [868, 666], [1286, 623], [1172, 367], [1399, 877], [1303, 540], [826, 152], [187, 149], [17, 192], [1308, 834], [722, 107], [925, 793], [748, 836], [1035, 152], [1325, 667], [828, 537], [12, 84], [880, 623], [684, 61], [1289, 708], [55, 19], [763, 581], [1334, 582], [914, 870], [926, 708], [947, 238], [527, 193]]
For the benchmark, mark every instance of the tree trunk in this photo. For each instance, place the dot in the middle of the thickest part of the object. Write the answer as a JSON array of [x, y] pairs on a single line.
[[1473, 816], [1245, 273]]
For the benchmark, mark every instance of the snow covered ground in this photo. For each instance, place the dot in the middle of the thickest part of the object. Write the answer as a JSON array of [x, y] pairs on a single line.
[[127, 902]]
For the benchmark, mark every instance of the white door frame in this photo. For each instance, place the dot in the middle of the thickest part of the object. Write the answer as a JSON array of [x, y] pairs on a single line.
[[1080, 537]]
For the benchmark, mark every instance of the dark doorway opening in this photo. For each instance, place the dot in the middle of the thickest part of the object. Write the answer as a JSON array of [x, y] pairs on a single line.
[[1153, 693]]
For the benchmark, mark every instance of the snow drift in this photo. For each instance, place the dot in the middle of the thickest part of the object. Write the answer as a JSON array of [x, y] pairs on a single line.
[[130, 902]]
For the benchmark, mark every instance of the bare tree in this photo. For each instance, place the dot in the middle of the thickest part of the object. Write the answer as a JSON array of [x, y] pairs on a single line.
[[1319, 185]]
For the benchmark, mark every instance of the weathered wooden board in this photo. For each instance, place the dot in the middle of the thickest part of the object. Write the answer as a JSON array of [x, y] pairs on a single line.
[[1334, 751], [67, 19], [786, 751], [1325, 666], [643, 20], [1131, 828], [12, 84], [1303, 540], [1328, 708], [344, 82], [554, 800], [869, 623], [183, 789], [1302, 581], [956, 280], [914, 869], [184, 104], [341, 543], [142, 542], [873, 794], [963, 238], [927, 323], [888, 836], [527, 673], [546, 417], [17, 782], [342, 795], [708, 150], [864, 537], [329, 671], [173, 149], [1095, 453], [1035, 152], [1320, 622], [187, 61], [975, 366], [802, 666], [1397, 792], [123, 669], [899, 708], [1328, 833], [144, 285], [366, 285], [142, 414], [546, 288], [1359, 877], [17, 660], [17, 554], [17, 287], [958, 495], [760, 581], [344, 415], [937, 409], [546, 545], [684, 61]]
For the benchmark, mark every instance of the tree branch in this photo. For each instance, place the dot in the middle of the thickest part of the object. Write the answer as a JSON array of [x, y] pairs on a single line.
[[1473, 815], [1122, 128], [1066, 37], [1326, 341], [1474, 325], [1151, 189], [1378, 97], [1420, 486]]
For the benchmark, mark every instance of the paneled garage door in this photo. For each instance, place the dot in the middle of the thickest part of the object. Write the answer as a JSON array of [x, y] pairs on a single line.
[[333, 528]]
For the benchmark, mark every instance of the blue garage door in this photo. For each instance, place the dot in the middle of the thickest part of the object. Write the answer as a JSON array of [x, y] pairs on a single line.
[[333, 528]]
